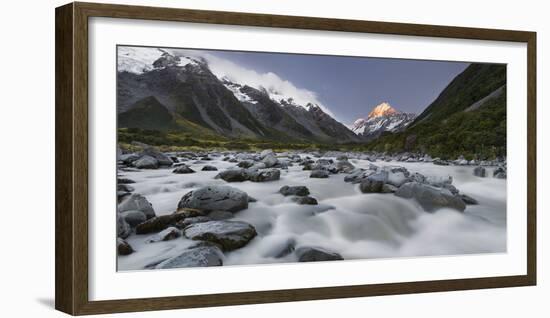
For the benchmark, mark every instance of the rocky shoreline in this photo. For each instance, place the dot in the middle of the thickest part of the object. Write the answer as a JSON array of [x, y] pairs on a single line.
[[207, 214]]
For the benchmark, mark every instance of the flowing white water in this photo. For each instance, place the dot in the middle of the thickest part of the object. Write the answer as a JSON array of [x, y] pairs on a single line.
[[346, 221]]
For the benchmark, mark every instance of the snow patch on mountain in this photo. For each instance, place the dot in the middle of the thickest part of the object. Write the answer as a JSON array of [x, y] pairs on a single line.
[[382, 118]]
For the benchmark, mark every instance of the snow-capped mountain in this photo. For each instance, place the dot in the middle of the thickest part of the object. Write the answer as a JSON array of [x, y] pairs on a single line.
[[382, 118], [182, 91]]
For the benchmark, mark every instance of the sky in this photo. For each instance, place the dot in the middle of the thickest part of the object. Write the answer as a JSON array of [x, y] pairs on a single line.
[[351, 86]]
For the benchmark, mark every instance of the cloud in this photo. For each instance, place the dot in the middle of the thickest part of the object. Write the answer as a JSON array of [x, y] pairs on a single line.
[[277, 87]]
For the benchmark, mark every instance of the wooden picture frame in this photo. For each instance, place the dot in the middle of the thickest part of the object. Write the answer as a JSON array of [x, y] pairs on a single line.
[[72, 280]]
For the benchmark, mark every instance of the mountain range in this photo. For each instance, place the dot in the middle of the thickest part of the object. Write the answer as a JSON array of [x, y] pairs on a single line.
[[179, 98], [161, 91]]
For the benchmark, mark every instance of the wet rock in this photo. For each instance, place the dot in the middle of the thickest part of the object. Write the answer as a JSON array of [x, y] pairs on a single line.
[[344, 166], [199, 256], [165, 235], [295, 190], [371, 186], [146, 162], [429, 197], [319, 174], [123, 229], [265, 175], [209, 168], [125, 181], [499, 172], [480, 172], [440, 162], [192, 220], [357, 175], [270, 160], [282, 249], [388, 188], [162, 159], [220, 215], [211, 198], [468, 199], [123, 247], [124, 188], [128, 158], [230, 235], [396, 179], [316, 254], [305, 200], [183, 169], [137, 202], [134, 217], [159, 223], [246, 163], [233, 175]]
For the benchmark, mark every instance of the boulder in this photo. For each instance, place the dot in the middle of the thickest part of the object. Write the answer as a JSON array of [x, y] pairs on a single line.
[[480, 172], [192, 220], [125, 181], [266, 153], [429, 197], [440, 162], [209, 168], [124, 188], [371, 186], [159, 223], [220, 215], [162, 159], [123, 248], [199, 256], [396, 179], [295, 190], [212, 198], [270, 160], [183, 169], [357, 175], [165, 235], [128, 158], [246, 164], [265, 175], [305, 200], [233, 175], [319, 174], [316, 254], [499, 172], [146, 162], [388, 188], [134, 217], [344, 166], [137, 202], [123, 229], [230, 235]]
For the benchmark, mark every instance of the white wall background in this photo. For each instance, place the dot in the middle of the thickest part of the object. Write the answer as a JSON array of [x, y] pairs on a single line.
[[27, 158]]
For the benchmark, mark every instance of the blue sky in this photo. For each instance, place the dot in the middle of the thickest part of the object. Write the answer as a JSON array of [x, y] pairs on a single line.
[[351, 86]]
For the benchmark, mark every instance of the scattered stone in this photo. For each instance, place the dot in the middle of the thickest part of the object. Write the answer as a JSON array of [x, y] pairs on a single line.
[[233, 175], [146, 162], [123, 247], [468, 199], [125, 181], [429, 197], [246, 163], [199, 256], [265, 175], [133, 217], [388, 188], [295, 190], [183, 169], [344, 166], [230, 235], [371, 186], [220, 215], [192, 220], [124, 188], [305, 200], [316, 254], [162, 159], [165, 235], [137, 202], [159, 223], [211, 198], [123, 229], [319, 174]]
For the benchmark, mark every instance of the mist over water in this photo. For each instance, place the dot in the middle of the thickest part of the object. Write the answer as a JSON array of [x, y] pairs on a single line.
[[346, 221]]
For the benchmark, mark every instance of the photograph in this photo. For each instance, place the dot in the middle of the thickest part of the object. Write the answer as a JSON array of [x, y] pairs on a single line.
[[232, 158]]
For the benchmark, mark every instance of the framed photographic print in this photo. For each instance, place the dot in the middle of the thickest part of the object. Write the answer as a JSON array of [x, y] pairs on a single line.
[[218, 158]]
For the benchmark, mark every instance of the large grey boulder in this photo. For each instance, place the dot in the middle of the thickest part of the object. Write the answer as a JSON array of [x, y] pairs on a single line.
[[429, 197], [134, 217], [316, 254], [230, 235], [209, 168], [264, 175], [212, 198], [183, 169], [123, 229], [295, 190], [199, 256], [233, 175], [146, 162], [371, 186], [321, 174], [270, 160], [162, 159], [137, 202], [344, 166]]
